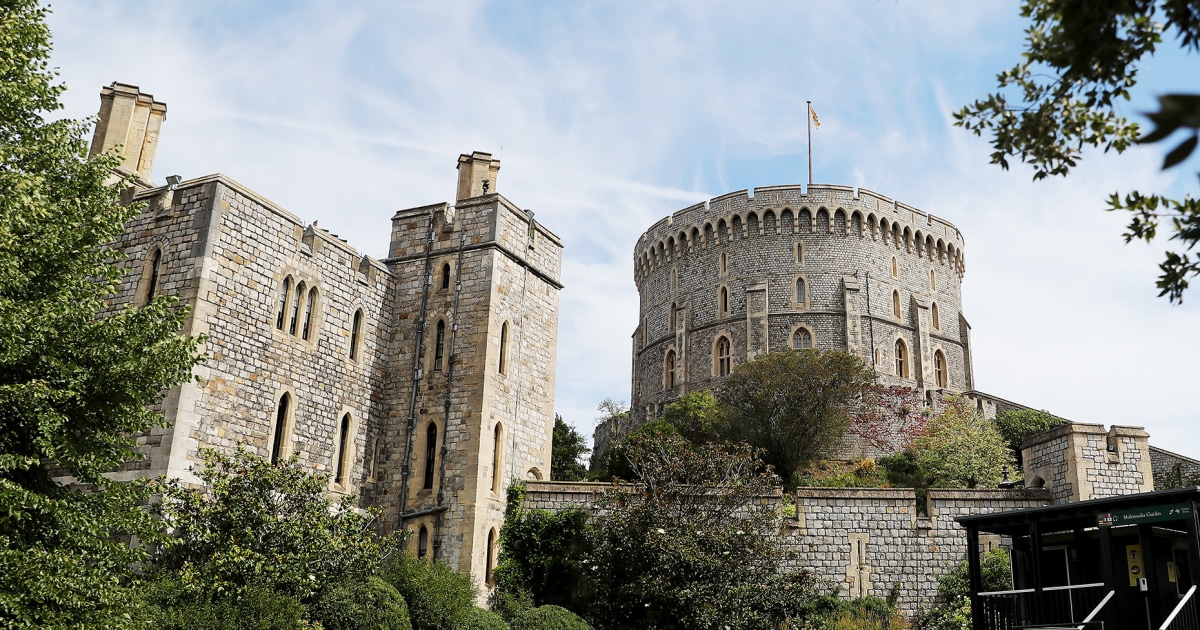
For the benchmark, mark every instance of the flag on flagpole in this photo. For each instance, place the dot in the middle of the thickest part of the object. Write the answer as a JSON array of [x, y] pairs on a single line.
[[816, 121]]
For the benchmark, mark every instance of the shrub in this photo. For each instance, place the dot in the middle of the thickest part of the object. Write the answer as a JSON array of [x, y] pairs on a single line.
[[480, 619], [371, 604], [170, 605], [540, 555], [549, 618], [1020, 425], [438, 597]]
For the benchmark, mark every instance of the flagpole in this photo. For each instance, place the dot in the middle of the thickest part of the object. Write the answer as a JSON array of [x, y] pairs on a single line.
[[809, 118]]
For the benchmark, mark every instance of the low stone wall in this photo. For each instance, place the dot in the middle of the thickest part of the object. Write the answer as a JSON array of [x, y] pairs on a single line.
[[864, 541]]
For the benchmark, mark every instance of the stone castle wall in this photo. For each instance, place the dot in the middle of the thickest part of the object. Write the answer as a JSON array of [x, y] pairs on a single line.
[[1173, 470], [842, 243], [226, 253], [862, 541], [1076, 462]]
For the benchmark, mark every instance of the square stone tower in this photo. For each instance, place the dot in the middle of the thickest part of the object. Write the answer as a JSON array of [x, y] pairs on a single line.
[[477, 344]]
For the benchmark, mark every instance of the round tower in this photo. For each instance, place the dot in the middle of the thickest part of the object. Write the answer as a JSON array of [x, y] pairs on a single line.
[[725, 281]]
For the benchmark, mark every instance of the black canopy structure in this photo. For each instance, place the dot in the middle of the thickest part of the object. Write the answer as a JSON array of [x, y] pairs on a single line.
[[1130, 561]]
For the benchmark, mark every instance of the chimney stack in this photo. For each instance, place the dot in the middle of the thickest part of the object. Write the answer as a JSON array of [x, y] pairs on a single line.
[[477, 175], [131, 119]]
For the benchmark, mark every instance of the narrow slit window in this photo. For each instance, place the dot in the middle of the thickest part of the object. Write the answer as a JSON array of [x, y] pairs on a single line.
[[155, 264], [895, 268], [308, 313], [423, 542], [491, 546], [439, 346], [496, 434], [674, 320], [355, 334], [724, 301], [503, 347], [431, 438], [801, 292], [799, 252], [896, 304], [283, 302], [295, 319], [669, 369], [339, 468], [281, 415], [933, 313], [445, 276], [939, 368], [724, 263], [932, 280]]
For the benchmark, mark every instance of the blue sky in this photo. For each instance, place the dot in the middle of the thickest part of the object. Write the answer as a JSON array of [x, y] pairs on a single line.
[[612, 115]]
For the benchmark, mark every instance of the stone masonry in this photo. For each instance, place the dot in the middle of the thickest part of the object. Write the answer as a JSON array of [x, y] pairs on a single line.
[[394, 377], [829, 266]]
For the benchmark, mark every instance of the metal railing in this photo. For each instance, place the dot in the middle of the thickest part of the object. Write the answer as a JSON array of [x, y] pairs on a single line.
[[1057, 606], [1185, 616]]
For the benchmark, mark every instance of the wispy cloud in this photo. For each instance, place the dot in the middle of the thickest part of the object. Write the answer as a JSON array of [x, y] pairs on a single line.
[[613, 115]]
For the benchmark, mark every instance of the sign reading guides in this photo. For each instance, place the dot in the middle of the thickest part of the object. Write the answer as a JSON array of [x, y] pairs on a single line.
[[1155, 514]]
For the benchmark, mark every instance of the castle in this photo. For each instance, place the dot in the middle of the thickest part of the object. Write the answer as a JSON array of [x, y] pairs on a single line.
[[422, 382]]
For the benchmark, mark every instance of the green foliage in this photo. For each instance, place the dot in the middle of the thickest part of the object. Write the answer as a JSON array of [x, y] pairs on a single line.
[[863, 473], [617, 466], [567, 449], [830, 612], [691, 543], [954, 588], [961, 449], [480, 619], [1080, 62], [264, 524], [370, 604], [698, 416], [438, 597], [1018, 426], [549, 618], [540, 556], [172, 605], [795, 405], [76, 388]]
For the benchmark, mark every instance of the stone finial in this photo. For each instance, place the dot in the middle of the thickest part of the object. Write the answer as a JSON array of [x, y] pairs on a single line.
[[477, 174], [130, 119]]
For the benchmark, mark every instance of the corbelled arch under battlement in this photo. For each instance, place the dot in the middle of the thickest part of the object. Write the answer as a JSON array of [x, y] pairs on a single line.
[[791, 210]]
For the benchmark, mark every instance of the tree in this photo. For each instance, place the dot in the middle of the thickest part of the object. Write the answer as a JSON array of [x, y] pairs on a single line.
[[796, 405], [691, 543], [961, 449], [1080, 62], [258, 524], [698, 416], [568, 448], [76, 378]]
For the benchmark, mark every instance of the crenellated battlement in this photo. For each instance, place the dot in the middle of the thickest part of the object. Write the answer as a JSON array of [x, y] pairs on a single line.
[[791, 209]]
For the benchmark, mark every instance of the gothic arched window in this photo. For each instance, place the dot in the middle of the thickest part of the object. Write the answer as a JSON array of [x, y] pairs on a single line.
[[724, 357], [901, 359], [802, 340]]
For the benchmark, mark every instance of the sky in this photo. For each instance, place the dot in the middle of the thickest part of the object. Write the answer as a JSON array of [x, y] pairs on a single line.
[[608, 116]]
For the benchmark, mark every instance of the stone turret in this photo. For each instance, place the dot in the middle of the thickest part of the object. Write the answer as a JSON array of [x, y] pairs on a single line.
[[1078, 462], [129, 119], [477, 174]]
